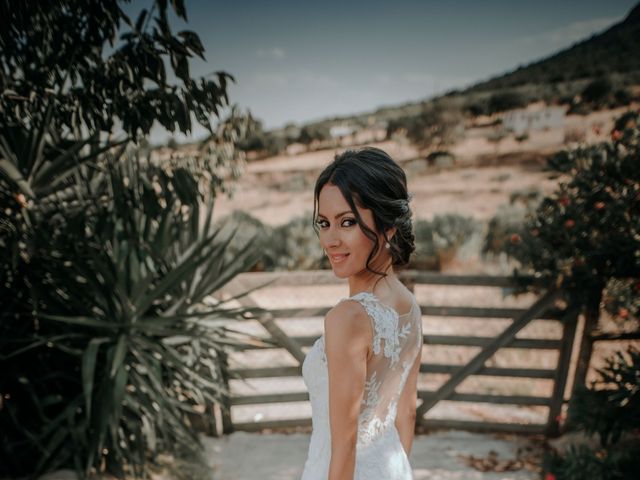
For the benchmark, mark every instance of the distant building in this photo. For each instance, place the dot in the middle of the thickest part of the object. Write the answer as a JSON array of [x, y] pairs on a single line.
[[524, 120], [339, 131]]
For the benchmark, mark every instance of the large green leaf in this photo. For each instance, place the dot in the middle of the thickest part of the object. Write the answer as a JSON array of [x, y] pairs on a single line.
[[89, 359], [126, 278]]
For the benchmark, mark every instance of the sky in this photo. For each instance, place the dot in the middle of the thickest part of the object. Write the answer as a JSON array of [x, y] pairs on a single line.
[[297, 61]]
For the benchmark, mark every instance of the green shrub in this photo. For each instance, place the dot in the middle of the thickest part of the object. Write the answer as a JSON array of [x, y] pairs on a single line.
[[261, 141], [477, 108], [581, 463], [450, 231], [597, 92], [621, 300], [611, 406], [435, 125], [439, 240], [425, 256], [608, 409], [294, 246], [622, 97], [506, 229], [509, 100], [251, 230]]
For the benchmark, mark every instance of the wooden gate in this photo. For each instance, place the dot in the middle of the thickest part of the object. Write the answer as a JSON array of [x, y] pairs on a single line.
[[544, 308]]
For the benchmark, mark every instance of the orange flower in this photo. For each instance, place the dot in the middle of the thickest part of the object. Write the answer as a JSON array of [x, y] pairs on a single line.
[[515, 238], [569, 223], [616, 135], [599, 205], [564, 201], [21, 199], [623, 312]]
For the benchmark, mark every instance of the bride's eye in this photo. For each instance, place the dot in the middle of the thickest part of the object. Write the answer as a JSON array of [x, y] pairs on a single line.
[[322, 223], [349, 222]]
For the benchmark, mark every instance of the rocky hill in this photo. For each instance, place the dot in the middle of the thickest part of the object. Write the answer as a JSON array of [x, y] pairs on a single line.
[[614, 51], [611, 57]]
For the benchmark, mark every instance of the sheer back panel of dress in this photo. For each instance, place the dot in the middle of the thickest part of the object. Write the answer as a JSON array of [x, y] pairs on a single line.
[[397, 340]]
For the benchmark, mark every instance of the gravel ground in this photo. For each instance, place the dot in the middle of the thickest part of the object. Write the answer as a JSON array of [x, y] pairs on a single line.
[[442, 455], [438, 456]]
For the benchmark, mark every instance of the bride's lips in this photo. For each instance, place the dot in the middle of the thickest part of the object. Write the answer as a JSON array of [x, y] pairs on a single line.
[[338, 257]]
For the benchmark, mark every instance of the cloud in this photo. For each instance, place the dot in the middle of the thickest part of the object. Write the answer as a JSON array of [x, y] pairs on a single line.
[[314, 79], [418, 78], [298, 78], [270, 79], [273, 52], [382, 78], [571, 33]]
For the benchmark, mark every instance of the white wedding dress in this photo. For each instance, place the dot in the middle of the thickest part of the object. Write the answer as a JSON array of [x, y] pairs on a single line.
[[397, 339]]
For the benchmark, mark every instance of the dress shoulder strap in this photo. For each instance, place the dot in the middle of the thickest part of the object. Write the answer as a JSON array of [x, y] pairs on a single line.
[[384, 321]]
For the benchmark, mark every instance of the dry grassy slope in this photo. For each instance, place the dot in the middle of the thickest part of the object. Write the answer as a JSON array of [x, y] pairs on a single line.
[[277, 189], [486, 173]]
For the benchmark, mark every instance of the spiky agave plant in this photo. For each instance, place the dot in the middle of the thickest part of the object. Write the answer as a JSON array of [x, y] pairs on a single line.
[[107, 341]]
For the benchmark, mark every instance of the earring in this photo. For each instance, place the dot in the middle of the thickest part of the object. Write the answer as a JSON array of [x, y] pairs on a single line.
[[387, 245]]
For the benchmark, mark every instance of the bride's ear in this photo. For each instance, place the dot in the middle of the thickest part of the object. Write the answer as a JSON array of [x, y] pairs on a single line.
[[390, 233]]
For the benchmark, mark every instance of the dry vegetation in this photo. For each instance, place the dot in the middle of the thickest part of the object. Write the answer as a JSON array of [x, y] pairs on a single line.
[[483, 178]]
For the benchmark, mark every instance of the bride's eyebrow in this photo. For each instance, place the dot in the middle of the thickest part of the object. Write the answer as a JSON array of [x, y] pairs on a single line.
[[338, 215]]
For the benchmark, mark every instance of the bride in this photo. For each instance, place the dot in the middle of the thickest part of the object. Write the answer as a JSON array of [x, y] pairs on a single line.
[[362, 372]]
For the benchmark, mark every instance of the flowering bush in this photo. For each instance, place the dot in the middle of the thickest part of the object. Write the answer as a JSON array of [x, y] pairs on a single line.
[[587, 233]]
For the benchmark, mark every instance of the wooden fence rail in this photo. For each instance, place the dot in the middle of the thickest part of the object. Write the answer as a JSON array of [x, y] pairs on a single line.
[[545, 308]]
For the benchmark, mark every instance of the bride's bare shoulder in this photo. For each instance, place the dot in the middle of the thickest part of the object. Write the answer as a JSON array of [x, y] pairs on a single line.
[[347, 318]]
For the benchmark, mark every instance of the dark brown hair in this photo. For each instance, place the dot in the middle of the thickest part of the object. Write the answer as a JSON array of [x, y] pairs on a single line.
[[371, 179]]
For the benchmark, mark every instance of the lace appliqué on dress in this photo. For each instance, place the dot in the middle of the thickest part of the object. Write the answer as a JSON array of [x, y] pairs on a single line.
[[385, 321], [370, 426], [379, 452], [385, 327]]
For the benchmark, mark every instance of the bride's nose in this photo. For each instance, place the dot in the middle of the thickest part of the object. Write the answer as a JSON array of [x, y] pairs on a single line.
[[331, 239]]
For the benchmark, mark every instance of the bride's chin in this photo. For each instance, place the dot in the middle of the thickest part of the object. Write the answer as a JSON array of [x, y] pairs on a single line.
[[340, 274]]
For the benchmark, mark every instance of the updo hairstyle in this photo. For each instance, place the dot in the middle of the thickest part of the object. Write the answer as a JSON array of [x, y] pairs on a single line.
[[371, 179]]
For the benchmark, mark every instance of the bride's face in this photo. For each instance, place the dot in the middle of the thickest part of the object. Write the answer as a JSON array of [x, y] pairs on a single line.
[[340, 235]]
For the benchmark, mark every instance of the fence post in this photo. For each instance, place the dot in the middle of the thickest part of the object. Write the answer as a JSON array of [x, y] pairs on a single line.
[[591, 317], [562, 372], [227, 424]]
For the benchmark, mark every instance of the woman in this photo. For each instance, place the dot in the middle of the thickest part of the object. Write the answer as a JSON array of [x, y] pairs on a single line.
[[362, 372]]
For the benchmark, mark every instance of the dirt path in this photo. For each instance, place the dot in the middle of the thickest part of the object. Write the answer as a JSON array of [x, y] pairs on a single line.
[[438, 456]]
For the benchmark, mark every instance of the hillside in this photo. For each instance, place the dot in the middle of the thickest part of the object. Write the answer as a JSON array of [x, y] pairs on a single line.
[[612, 54], [616, 50]]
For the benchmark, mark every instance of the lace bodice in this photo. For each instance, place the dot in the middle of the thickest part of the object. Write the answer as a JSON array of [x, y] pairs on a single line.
[[397, 340]]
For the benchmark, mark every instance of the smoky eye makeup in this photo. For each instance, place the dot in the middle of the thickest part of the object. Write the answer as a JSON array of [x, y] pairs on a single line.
[[345, 222], [320, 222]]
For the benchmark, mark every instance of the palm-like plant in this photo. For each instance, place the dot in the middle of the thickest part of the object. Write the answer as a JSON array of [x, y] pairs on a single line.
[[108, 341]]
